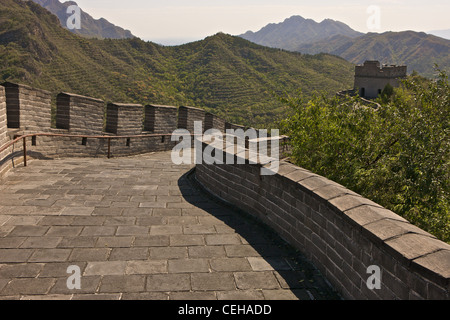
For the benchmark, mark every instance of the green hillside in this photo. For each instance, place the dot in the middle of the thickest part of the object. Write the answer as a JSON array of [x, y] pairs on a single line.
[[225, 74]]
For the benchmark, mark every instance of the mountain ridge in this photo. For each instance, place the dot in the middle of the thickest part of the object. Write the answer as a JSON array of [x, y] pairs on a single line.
[[418, 50], [297, 30], [90, 27]]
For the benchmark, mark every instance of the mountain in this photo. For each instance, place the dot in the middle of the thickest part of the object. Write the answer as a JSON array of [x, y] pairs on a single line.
[[227, 75], [441, 33], [90, 27], [418, 50], [296, 31]]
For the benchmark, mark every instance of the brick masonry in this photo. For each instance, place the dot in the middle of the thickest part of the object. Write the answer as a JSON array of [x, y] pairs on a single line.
[[28, 109], [124, 119], [79, 114], [160, 119], [340, 231], [188, 115]]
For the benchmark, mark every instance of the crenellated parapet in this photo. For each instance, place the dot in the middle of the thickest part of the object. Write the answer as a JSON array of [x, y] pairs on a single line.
[[28, 109], [188, 115], [79, 114], [160, 119], [124, 119]]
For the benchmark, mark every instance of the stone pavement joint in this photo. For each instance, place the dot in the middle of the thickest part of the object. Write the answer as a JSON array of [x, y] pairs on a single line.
[[138, 228]]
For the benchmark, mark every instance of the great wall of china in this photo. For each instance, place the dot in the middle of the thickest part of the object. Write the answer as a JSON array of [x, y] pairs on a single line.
[[342, 233]]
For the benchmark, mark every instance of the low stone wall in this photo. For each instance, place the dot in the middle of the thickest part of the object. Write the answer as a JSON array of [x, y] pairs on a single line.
[[342, 233], [29, 109], [160, 119]]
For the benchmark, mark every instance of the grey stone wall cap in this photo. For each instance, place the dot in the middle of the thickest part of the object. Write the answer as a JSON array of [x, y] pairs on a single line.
[[125, 105], [161, 106], [8, 84], [73, 95]]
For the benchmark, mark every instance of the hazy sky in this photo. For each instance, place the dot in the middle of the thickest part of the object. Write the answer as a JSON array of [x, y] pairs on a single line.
[[196, 19]]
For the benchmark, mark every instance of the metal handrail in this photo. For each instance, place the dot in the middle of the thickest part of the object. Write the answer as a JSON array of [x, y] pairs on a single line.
[[109, 138]]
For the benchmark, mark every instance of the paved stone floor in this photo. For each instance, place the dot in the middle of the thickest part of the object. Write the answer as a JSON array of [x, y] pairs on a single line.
[[137, 228]]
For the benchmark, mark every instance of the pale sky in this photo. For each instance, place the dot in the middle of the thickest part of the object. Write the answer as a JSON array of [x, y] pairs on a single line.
[[188, 20]]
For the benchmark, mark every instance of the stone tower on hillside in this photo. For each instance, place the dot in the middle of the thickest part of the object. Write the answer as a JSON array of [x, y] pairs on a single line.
[[372, 77]]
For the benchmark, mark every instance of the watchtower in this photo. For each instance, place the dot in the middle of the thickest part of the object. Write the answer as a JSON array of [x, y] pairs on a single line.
[[372, 77]]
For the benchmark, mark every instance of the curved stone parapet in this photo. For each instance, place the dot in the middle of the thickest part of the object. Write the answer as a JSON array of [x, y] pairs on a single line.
[[346, 236]]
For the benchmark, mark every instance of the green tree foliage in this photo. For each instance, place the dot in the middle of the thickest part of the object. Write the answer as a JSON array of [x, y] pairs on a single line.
[[396, 155]]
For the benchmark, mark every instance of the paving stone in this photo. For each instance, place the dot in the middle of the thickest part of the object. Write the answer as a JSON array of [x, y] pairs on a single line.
[[119, 221], [88, 284], [88, 221], [64, 231], [115, 242], [146, 267], [165, 230], [168, 253], [183, 240], [101, 297], [77, 242], [56, 221], [27, 286], [105, 268], [89, 254], [199, 229], [126, 254], [241, 251], [152, 241], [153, 296], [230, 264], [168, 282], [50, 255], [28, 231], [192, 296], [280, 295], [122, 283], [15, 255], [237, 295], [41, 242], [11, 242], [78, 211], [132, 230], [59, 269], [98, 231], [268, 264], [222, 239], [29, 270], [217, 281], [188, 265], [55, 297], [206, 252], [256, 280], [23, 221]]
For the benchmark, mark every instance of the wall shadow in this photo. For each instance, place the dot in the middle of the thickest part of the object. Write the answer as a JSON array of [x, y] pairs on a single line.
[[292, 269]]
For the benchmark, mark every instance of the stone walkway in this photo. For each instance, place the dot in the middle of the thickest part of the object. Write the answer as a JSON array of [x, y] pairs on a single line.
[[138, 229]]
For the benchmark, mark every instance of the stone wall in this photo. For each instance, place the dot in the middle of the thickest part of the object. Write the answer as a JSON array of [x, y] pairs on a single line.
[[160, 119], [342, 233], [188, 115], [214, 122], [124, 119], [79, 114], [371, 78], [28, 109]]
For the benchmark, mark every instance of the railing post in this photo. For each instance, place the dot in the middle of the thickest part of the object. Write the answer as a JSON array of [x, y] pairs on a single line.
[[24, 152], [109, 148]]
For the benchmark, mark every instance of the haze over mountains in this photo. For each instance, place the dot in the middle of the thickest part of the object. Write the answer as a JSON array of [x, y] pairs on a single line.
[[418, 50], [90, 27]]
